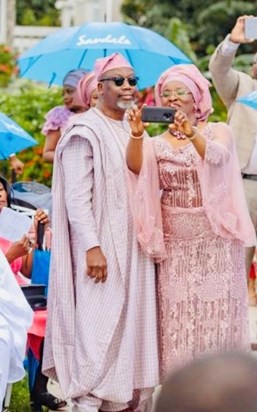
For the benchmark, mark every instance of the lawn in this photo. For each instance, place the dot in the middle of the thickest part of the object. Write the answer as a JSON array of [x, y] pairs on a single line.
[[20, 397]]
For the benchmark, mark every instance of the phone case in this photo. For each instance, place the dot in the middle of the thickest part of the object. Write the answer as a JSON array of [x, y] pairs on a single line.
[[158, 114], [251, 28]]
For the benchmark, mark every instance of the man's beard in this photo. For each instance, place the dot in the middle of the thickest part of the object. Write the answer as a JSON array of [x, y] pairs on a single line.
[[125, 105]]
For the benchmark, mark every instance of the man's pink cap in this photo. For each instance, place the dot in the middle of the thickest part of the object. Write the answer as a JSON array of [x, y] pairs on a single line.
[[114, 61]]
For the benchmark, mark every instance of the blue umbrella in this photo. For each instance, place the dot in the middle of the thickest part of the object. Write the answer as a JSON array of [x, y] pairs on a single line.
[[12, 137], [78, 47], [249, 100]]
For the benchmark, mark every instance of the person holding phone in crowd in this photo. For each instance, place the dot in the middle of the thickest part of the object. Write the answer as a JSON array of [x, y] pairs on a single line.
[[201, 220], [230, 85]]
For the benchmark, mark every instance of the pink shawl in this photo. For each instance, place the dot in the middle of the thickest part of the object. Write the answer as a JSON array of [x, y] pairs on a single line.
[[222, 192]]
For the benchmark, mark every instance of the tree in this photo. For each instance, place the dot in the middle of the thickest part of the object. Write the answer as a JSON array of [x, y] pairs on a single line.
[[218, 19], [206, 22], [37, 13], [27, 103]]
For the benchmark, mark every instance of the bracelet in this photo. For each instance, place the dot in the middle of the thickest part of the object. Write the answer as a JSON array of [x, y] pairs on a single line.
[[194, 135], [136, 137]]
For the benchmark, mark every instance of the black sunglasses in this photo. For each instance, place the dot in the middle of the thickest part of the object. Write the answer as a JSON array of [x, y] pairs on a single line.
[[119, 81]]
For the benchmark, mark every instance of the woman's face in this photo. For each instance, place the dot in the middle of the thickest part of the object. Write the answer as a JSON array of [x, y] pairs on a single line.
[[68, 95], [3, 196], [94, 98], [177, 95]]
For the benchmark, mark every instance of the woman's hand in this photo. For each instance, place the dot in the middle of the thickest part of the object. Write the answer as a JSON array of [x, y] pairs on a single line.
[[41, 217], [181, 124], [96, 264], [18, 249], [134, 116]]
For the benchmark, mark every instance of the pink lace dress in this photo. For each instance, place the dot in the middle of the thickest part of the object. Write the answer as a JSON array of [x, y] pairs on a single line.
[[202, 282]]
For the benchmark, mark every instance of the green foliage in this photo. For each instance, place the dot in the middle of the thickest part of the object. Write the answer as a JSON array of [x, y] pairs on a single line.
[[205, 21], [37, 13], [27, 104], [214, 22], [20, 397], [177, 32]]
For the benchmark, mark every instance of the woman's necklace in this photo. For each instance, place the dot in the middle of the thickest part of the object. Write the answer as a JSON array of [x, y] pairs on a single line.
[[180, 135], [177, 134]]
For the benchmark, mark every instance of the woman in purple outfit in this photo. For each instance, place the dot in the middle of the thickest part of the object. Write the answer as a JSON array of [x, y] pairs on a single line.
[[57, 118], [201, 222]]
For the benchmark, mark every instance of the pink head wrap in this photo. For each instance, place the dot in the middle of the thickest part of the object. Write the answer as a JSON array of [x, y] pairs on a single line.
[[114, 61], [86, 86], [194, 80]]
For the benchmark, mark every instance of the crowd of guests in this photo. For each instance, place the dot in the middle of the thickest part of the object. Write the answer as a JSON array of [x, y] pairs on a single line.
[[148, 270]]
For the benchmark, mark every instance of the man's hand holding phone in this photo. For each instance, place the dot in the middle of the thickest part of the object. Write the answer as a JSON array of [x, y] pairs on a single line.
[[240, 32]]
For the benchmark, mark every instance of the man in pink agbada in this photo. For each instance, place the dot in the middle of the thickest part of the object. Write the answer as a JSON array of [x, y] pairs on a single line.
[[101, 341]]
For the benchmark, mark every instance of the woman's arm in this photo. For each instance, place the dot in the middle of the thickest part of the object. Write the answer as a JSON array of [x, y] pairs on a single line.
[[18, 249], [51, 141], [217, 150], [27, 262], [21, 249]]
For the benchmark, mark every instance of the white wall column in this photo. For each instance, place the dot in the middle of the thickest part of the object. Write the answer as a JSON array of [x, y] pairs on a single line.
[[3, 21]]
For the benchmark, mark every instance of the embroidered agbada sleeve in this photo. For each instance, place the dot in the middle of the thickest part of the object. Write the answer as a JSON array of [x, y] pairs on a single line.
[[144, 197], [77, 160], [222, 188]]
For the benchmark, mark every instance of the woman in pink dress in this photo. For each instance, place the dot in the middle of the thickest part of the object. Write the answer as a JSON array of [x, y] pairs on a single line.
[[198, 228]]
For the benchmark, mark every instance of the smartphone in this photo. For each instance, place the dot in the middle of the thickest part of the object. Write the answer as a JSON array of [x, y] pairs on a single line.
[[251, 28], [153, 114]]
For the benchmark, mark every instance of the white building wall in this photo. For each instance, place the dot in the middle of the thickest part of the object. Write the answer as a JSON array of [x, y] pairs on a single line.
[[3, 20], [7, 21], [96, 10], [26, 37], [73, 13]]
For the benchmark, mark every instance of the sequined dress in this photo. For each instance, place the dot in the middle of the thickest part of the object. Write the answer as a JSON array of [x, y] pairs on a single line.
[[202, 283]]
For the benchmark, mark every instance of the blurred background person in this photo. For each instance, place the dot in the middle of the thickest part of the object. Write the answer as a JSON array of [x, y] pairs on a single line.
[[87, 90], [56, 118], [87, 95], [224, 382], [230, 85]]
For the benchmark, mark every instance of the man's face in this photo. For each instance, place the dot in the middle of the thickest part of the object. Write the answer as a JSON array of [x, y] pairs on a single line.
[[117, 88]]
